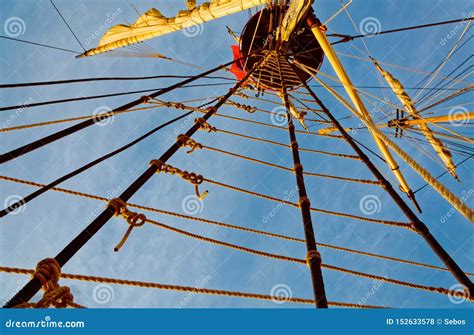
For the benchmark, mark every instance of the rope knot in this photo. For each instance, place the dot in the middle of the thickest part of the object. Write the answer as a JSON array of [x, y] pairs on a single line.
[[303, 200], [204, 125], [193, 178], [179, 106], [117, 204], [133, 219], [246, 108], [241, 94], [185, 141], [312, 256], [47, 272], [145, 99]]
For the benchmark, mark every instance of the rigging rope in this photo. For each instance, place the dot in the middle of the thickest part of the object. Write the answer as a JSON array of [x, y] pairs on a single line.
[[361, 181], [39, 44], [67, 24], [346, 38], [92, 97], [51, 185], [313, 209], [33, 286], [83, 80], [86, 117], [179, 288], [285, 145], [222, 224]]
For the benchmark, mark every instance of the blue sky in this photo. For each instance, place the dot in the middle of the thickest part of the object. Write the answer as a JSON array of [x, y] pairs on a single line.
[[49, 222]]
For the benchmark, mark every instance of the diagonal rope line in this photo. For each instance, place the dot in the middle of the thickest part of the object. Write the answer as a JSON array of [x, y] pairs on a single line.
[[313, 209], [285, 145], [67, 24], [258, 161]]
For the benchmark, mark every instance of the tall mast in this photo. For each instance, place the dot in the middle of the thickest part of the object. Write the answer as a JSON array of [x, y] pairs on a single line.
[[313, 257]]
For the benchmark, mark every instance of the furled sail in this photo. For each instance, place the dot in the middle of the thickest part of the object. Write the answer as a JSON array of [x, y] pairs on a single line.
[[294, 15], [405, 99], [153, 23]]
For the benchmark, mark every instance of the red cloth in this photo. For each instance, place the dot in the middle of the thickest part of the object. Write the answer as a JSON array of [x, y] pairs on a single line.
[[237, 68]]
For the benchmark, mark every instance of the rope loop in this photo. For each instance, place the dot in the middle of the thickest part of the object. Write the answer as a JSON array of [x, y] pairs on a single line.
[[133, 219], [193, 178]]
